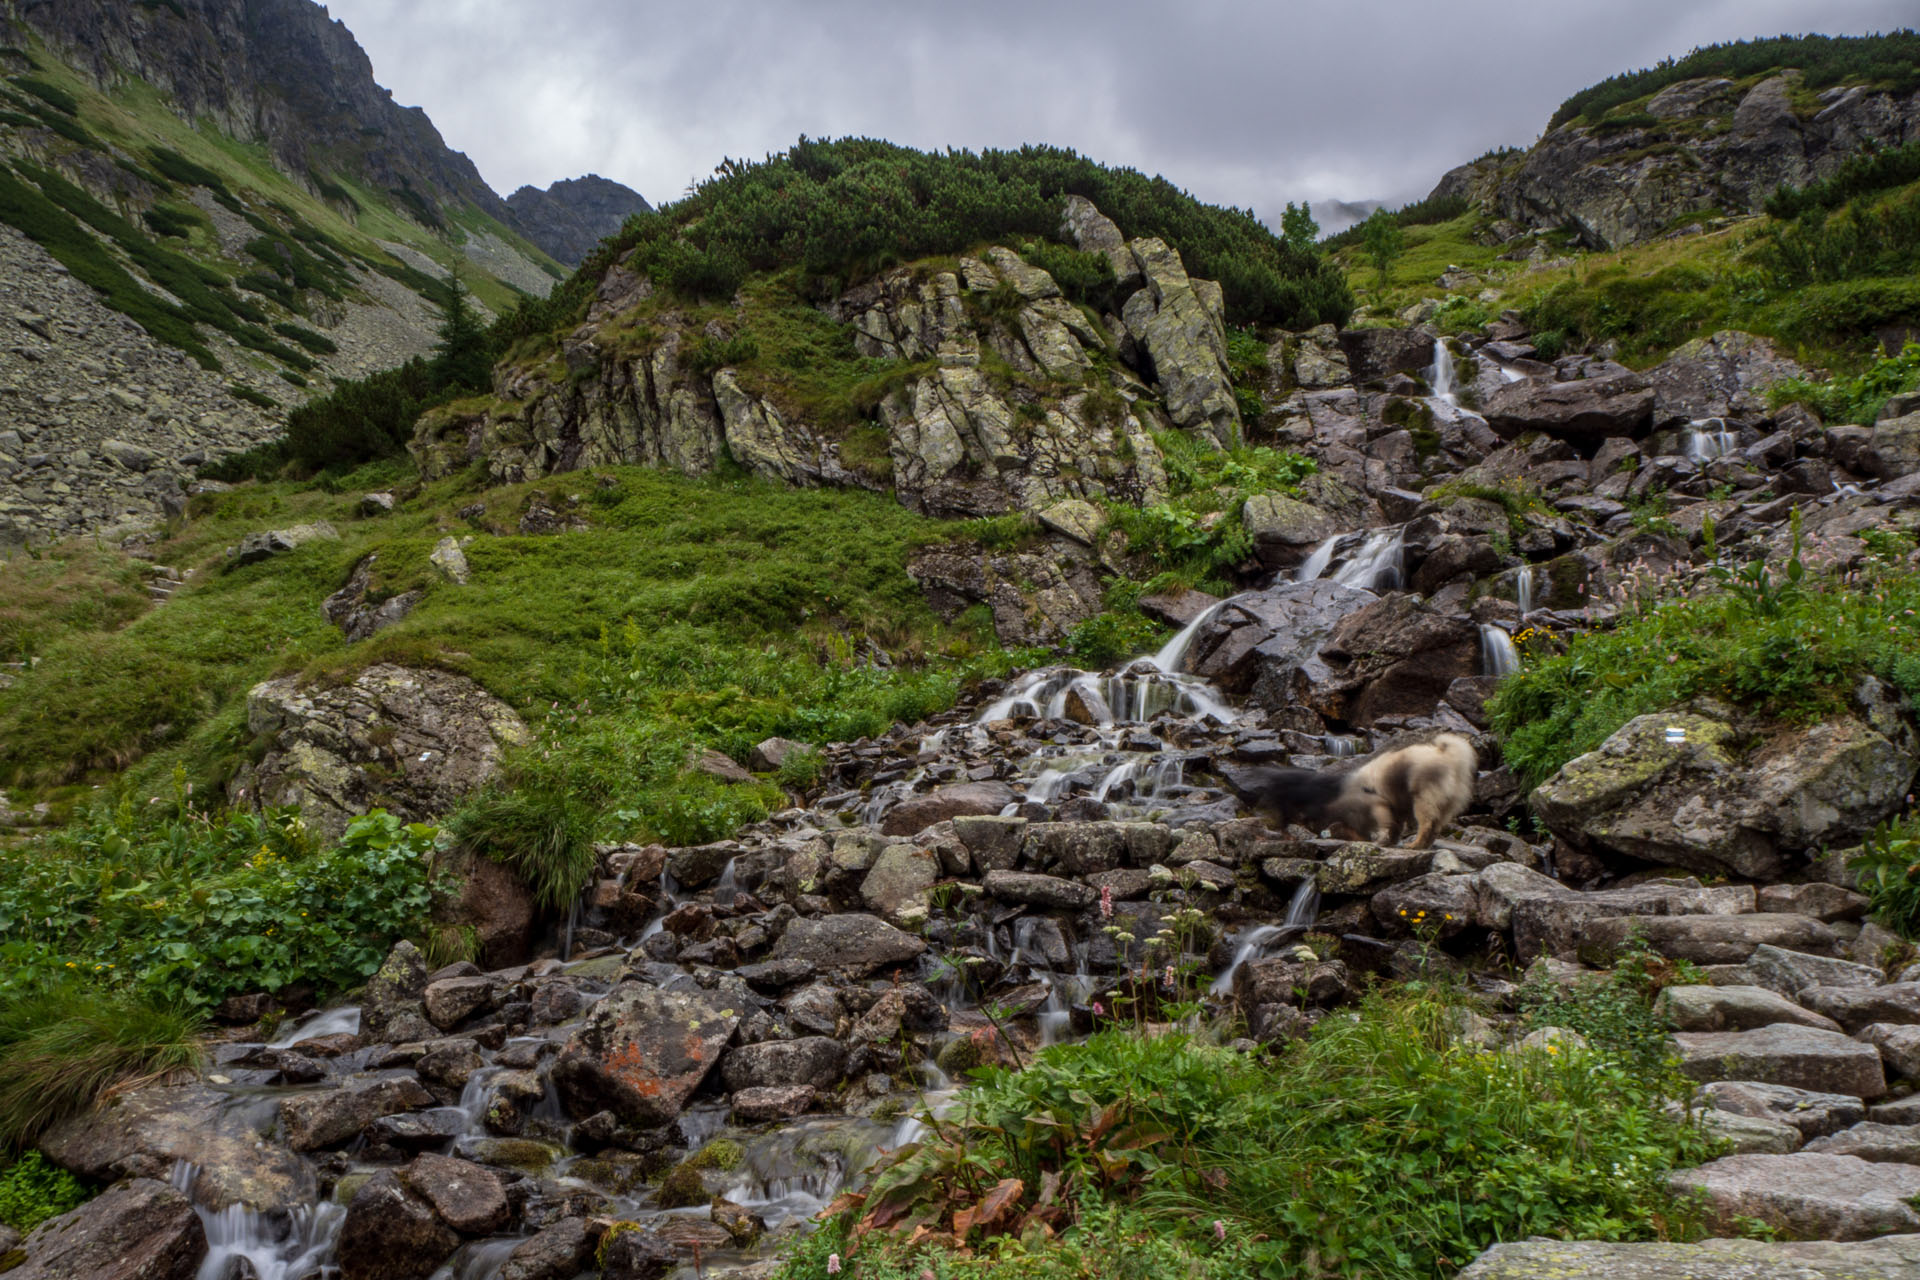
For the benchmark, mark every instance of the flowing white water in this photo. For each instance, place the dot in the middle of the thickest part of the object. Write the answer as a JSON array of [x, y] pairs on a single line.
[[1302, 911], [1523, 589], [1133, 695], [291, 1246], [327, 1022], [1440, 375], [1173, 654], [1708, 438], [1316, 564], [1340, 745], [1380, 564], [669, 900], [1498, 657]]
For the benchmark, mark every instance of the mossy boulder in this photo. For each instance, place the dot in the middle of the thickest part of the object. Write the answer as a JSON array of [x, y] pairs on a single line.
[[1701, 792]]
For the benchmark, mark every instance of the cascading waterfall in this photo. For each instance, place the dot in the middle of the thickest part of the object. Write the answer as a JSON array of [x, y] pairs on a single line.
[[1440, 375], [282, 1246], [1340, 745], [1315, 565], [1375, 561], [1708, 438], [1498, 657], [1173, 654], [1523, 589]]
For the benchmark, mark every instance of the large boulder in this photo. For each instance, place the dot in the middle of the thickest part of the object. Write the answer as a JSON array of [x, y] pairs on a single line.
[[393, 1007], [1808, 1194], [1587, 410], [145, 1132], [1722, 376], [466, 1196], [1395, 657], [1896, 446], [273, 542], [1704, 939], [1856, 1007], [855, 943], [1688, 790], [1733, 1008], [139, 1230], [816, 1060], [642, 1052], [411, 741], [1272, 638], [900, 879], [1375, 353]]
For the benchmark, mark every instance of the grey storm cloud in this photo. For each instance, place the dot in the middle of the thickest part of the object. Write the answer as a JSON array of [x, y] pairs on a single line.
[[1242, 102]]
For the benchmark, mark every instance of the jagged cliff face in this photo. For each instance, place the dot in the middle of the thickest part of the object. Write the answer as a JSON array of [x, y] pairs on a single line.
[[1010, 397], [276, 72], [572, 216], [1709, 144]]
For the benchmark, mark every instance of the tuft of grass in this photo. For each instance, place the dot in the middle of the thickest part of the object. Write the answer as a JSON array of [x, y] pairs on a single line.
[[543, 834], [64, 1044], [1857, 398]]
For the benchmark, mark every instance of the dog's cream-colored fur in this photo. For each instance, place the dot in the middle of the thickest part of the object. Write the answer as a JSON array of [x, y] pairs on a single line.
[[1425, 786]]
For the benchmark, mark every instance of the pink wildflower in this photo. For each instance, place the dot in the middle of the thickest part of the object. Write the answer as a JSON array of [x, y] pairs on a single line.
[[1099, 1010], [1169, 975], [1106, 902], [1219, 1229], [833, 1264]]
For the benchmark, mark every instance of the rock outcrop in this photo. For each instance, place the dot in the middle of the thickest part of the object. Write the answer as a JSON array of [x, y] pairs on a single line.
[[406, 740]]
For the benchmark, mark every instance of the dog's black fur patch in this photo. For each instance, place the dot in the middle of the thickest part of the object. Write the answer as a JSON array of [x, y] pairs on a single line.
[[1296, 795]]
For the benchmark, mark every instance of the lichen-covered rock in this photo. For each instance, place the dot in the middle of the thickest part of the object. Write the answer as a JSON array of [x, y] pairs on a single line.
[[393, 1006], [1183, 329], [1896, 446], [467, 1197], [816, 1060], [332, 1117], [642, 1052], [139, 1230], [354, 610], [1888, 1258], [272, 542], [958, 800], [408, 740], [901, 878], [1688, 790]]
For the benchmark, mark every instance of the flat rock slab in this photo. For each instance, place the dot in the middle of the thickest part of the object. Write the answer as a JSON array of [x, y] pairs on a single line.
[[1813, 1114], [1806, 1194], [1733, 1009], [854, 942], [1801, 1057], [1705, 939], [1870, 1140], [1791, 971], [1899, 1046], [1888, 1258], [1857, 1007]]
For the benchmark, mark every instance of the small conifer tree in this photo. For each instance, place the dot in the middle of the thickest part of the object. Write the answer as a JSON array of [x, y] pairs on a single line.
[[461, 358]]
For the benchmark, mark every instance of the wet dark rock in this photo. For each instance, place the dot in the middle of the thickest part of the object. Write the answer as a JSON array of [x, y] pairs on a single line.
[[467, 1197], [1589, 409], [329, 1118], [392, 1008], [451, 1001], [390, 1233], [761, 1103], [559, 1252], [965, 799], [1032, 889], [855, 943]]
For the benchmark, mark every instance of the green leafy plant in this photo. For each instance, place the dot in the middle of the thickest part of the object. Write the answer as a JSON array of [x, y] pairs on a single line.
[[33, 1189], [1888, 871]]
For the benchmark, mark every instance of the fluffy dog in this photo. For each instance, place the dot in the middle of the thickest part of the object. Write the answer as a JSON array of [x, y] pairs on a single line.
[[1425, 786]]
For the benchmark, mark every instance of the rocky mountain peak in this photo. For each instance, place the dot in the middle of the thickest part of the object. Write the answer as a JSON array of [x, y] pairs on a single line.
[[573, 215]]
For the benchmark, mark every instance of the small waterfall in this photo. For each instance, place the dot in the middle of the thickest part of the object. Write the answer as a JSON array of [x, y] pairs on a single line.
[[1523, 589], [1708, 438], [289, 1246], [1116, 777], [669, 900], [1498, 657], [573, 920], [328, 1022], [1380, 564], [1302, 910], [1340, 745], [1315, 565], [1173, 654], [1133, 695], [1440, 375], [727, 886]]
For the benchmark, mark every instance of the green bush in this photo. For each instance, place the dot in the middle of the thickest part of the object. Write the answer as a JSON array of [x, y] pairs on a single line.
[[191, 907], [1888, 871], [51, 94], [1109, 637], [1861, 174], [1381, 1147], [1857, 398], [33, 1189]]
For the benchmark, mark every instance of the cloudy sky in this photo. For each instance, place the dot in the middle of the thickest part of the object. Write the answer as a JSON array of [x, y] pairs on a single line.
[[1242, 102]]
